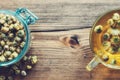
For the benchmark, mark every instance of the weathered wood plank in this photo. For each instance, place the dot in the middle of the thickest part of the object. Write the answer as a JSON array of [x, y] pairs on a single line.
[[59, 74], [56, 61], [65, 15], [103, 73], [70, 16], [58, 1], [48, 43]]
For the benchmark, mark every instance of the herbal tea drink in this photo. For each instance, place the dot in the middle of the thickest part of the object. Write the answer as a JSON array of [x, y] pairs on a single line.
[[105, 41]]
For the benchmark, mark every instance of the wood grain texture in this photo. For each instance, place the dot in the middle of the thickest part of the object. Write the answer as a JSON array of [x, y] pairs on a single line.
[[56, 61], [63, 15], [58, 18]]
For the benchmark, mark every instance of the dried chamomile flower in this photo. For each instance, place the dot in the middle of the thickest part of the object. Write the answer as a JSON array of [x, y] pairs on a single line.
[[112, 50], [2, 21], [6, 47], [105, 57], [20, 27], [15, 43], [11, 35], [113, 31], [18, 39], [14, 67], [14, 54], [12, 48], [106, 36], [10, 78], [2, 35], [106, 44], [2, 77], [23, 73], [25, 58], [17, 71], [2, 58], [98, 29], [4, 29], [2, 43], [115, 39], [9, 22], [21, 33], [10, 58], [116, 16], [110, 22], [34, 59], [16, 26], [6, 25], [18, 49], [1, 15], [22, 44], [13, 19], [7, 53], [11, 27], [8, 43], [29, 67]]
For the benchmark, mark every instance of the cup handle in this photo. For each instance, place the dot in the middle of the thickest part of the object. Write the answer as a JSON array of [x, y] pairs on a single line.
[[93, 63]]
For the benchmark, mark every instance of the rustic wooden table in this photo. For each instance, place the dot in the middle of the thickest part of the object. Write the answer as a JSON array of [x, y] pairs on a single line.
[[58, 18]]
